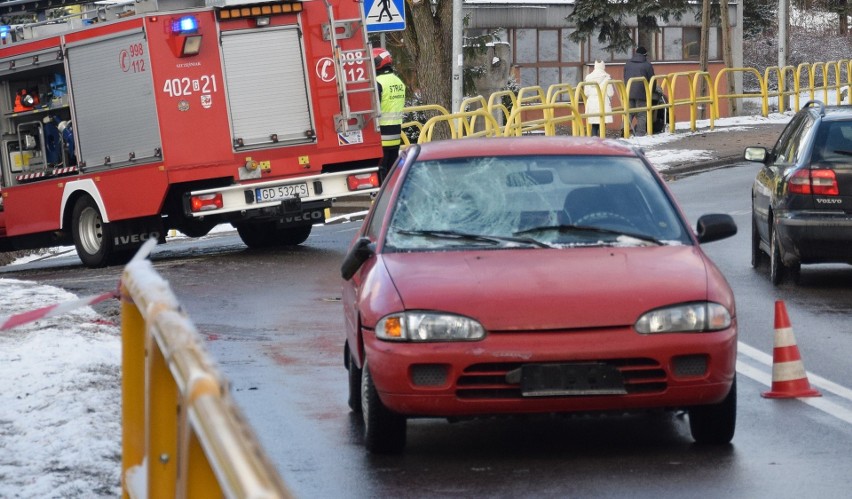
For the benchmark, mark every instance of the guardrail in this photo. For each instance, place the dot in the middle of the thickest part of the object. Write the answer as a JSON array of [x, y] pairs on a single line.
[[534, 110], [182, 434]]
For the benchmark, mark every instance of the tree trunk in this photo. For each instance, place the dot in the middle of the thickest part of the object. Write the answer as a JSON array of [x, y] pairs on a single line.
[[645, 36], [426, 40], [704, 48], [727, 57], [426, 37]]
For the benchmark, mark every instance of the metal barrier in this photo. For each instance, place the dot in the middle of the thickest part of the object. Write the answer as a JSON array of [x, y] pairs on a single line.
[[530, 108], [182, 434], [461, 125]]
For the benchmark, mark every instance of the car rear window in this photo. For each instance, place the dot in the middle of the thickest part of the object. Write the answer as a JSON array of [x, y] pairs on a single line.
[[834, 142], [503, 196]]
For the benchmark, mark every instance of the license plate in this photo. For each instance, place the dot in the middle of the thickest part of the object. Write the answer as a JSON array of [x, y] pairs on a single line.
[[277, 193], [550, 380]]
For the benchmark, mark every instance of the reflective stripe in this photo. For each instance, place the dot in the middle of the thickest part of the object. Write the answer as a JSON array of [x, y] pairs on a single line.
[[393, 99], [788, 371], [784, 337]]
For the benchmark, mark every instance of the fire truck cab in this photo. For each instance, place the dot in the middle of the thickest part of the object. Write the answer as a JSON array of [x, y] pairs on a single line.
[[121, 123]]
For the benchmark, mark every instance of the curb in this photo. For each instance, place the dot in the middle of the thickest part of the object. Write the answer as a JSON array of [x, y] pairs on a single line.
[[687, 169]]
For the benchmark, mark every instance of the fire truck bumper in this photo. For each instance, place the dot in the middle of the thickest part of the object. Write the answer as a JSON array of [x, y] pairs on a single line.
[[279, 198]]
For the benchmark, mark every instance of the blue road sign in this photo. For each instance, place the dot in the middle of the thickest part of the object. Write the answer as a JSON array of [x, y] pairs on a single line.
[[384, 15]]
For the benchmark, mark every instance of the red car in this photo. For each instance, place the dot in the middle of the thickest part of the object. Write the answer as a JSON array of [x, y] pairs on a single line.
[[534, 275]]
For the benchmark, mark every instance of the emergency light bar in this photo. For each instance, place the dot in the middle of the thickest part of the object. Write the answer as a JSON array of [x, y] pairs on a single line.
[[185, 39], [185, 25], [228, 13]]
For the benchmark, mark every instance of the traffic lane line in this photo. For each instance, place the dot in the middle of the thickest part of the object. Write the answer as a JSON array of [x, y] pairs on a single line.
[[822, 403]]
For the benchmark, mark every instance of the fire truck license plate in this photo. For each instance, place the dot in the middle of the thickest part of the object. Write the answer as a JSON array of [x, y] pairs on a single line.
[[264, 194]]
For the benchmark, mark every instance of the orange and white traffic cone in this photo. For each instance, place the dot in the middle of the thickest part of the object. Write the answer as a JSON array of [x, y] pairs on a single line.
[[789, 379]]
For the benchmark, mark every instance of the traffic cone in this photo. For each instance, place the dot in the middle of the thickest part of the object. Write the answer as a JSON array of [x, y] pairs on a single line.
[[789, 379]]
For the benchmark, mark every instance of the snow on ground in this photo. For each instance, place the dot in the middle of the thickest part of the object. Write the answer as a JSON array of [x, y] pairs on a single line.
[[60, 393], [60, 400]]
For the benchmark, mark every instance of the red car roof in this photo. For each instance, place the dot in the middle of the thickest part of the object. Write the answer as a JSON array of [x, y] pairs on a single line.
[[517, 146]]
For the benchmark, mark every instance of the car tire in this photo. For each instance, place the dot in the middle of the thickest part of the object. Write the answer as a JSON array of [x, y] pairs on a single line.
[[757, 255], [715, 424], [776, 266], [384, 430], [354, 383]]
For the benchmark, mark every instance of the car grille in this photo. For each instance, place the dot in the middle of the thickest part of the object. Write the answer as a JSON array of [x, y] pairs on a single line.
[[488, 381]]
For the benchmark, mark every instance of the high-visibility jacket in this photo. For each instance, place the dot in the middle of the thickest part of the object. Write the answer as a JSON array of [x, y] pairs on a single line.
[[392, 91]]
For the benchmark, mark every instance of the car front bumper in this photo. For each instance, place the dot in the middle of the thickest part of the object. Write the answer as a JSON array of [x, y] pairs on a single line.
[[815, 236], [666, 371]]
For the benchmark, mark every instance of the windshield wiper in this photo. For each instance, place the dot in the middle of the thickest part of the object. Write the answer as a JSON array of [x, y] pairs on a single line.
[[844, 152], [589, 228], [454, 234]]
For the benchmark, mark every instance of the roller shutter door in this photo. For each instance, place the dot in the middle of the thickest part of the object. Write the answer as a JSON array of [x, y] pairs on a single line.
[[113, 99], [267, 88]]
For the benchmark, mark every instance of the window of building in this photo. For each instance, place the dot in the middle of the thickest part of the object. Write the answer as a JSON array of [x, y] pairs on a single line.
[[688, 41], [545, 57]]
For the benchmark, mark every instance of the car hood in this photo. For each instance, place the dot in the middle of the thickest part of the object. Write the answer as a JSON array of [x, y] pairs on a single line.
[[550, 289]]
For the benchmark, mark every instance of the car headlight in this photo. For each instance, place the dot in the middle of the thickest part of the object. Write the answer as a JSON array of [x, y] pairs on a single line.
[[428, 326], [688, 317]]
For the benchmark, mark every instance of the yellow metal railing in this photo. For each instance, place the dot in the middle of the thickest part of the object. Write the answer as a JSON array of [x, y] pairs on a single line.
[[534, 110], [182, 434]]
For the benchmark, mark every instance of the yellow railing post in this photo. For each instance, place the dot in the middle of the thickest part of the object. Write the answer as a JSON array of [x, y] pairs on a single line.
[[132, 386], [183, 436], [162, 414]]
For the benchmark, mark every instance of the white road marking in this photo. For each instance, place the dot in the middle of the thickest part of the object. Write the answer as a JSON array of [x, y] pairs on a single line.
[[821, 403]]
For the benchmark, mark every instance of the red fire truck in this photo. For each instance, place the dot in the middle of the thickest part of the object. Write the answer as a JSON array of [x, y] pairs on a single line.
[[123, 123]]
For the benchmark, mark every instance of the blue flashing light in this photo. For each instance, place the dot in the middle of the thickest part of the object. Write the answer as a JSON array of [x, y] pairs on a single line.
[[4, 31], [186, 24]]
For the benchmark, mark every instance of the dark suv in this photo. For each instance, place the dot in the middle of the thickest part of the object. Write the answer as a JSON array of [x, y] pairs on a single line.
[[801, 200]]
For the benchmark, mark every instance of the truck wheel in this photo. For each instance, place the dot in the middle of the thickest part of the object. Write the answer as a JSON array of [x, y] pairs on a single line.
[[292, 236], [256, 234], [92, 237], [196, 229]]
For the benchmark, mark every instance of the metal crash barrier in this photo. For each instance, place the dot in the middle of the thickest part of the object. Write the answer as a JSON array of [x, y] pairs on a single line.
[[182, 433]]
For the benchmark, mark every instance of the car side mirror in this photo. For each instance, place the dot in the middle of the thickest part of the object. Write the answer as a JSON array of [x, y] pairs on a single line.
[[361, 251], [715, 226], [756, 154]]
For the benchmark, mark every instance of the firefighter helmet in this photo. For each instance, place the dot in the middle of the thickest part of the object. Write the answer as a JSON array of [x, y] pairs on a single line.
[[382, 58]]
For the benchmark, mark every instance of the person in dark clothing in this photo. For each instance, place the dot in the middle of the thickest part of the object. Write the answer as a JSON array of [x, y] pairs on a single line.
[[392, 100], [638, 66]]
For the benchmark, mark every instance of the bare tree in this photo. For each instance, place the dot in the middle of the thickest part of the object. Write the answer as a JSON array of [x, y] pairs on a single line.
[[425, 49]]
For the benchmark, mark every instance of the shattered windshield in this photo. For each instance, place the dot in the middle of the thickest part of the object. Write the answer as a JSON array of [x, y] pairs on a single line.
[[532, 202]]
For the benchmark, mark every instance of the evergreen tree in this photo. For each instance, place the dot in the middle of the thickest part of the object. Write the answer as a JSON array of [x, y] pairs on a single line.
[[610, 20]]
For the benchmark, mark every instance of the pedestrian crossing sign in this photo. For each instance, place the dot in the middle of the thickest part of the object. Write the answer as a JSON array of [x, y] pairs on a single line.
[[384, 15]]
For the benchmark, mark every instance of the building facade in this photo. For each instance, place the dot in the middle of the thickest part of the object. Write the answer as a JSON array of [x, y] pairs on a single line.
[[535, 49]]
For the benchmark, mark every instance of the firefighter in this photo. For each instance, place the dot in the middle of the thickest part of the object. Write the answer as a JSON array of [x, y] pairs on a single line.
[[392, 99]]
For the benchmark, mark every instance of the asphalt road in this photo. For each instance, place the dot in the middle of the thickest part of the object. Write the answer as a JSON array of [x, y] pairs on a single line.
[[272, 321]]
